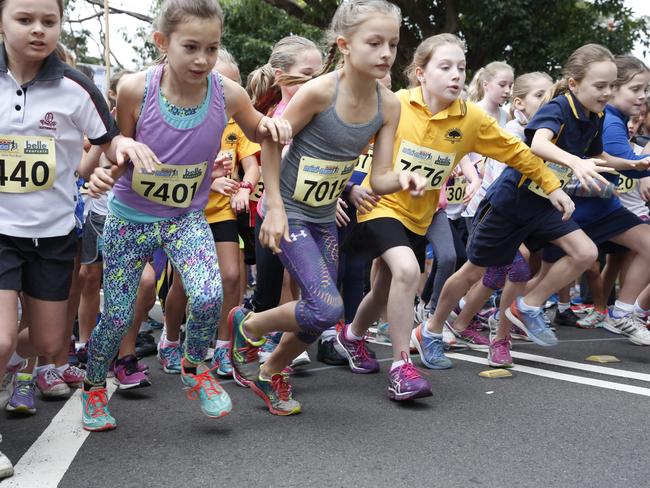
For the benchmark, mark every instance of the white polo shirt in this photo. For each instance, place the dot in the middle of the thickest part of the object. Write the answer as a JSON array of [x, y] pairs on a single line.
[[59, 103]]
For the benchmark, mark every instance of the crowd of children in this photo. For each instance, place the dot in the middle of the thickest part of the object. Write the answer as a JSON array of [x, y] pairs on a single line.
[[518, 188]]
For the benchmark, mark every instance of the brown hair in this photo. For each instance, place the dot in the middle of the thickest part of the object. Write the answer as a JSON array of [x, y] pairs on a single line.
[[522, 85], [627, 67], [425, 52], [59, 3], [476, 92], [175, 12], [113, 82]]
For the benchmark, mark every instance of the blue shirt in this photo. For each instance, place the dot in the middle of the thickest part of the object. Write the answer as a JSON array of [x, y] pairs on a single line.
[[574, 130]]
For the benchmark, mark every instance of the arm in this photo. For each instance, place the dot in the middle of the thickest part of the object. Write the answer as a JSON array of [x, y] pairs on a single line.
[[239, 201], [473, 179], [89, 161]]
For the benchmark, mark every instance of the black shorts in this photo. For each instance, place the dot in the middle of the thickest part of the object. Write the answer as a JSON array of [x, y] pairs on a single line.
[[225, 231], [600, 232], [247, 234], [372, 238], [91, 238], [494, 238], [41, 268]]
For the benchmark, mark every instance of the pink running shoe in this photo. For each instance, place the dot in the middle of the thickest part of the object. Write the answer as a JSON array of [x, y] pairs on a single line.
[[73, 376], [356, 353], [499, 354], [406, 383], [472, 338], [127, 374], [51, 383]]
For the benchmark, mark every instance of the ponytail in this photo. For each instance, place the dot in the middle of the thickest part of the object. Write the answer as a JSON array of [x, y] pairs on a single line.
[[262, 88]]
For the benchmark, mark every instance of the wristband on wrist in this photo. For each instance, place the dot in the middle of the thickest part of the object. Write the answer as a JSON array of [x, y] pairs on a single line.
[[246, 184]]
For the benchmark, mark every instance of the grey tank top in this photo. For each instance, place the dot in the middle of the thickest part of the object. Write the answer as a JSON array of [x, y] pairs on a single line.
[[320, 160]]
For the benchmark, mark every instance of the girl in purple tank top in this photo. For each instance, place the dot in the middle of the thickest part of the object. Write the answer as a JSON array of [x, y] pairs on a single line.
[[180, 108]]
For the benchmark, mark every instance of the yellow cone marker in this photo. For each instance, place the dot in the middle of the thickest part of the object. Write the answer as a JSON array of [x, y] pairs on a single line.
[[496, 373], [603, 358]]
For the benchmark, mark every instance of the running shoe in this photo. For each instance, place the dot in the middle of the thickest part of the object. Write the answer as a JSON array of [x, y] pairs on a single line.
[[73, 376], [23, 398], [581, 308], [431, 350], [94, 411], [484, 316], [405, 382], [7, 388], [552, 301], [51, 383], [531, 322], [449, 340], [154, 324], [276, 393], [72, 355], [215, 402], [383, 334], [593, 320], [82, 356], [170, 358], [302, 359], [453, 316], [631, 326], [420, 313], [145, 345], [244, 351], [329, 354], [127, 375], [499, 354], [270, 344], [567, 318], [356, 353], [470, 337], [221, 361], [6, 468]]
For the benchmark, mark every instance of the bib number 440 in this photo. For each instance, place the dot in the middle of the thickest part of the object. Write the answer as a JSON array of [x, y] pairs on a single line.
[[37, 175]]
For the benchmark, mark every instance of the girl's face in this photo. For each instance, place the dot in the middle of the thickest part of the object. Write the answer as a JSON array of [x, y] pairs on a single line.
[[530, 103], [629, 98], [443, 77], [499, 88], [595, 89], [192, 49], [31, 28], [372, 47], [308, 63]]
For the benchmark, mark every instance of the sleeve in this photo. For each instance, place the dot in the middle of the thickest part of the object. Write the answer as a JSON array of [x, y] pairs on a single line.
[[549, 116], [496, 143], [615, 139], [245, 147], [596, 146], [92, 116]]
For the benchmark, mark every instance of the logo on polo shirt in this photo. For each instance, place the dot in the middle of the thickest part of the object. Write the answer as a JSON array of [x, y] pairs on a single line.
[[48, 122], [37, 147], [231, 138], [454, 135], [8, 145]]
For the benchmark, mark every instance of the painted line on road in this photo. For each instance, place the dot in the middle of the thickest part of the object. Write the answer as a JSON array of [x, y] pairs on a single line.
[[49, 457], [610, 385]]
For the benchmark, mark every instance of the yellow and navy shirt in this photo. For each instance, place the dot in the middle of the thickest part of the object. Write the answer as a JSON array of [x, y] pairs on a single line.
[[432, 145], [235, 142]]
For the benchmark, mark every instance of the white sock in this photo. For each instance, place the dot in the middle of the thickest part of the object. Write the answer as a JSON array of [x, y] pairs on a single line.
[[525, 307], [167, 343], [16, 360], [220, 344], [563, 307], [461, 303], [397, 364], [79, 345], [621, 309], [638, 310], [41, 369], [350, 336], [62, 368], [430, 335]]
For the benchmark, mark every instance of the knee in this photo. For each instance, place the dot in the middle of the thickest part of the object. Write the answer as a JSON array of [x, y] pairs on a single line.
[[206, 305], [469, 274], [230, 278], [406, 274], [324, 314], [585, 255], [7, 347]]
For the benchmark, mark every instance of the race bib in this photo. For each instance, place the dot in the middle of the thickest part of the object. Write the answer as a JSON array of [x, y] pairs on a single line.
[[625, 184], [172, 185], [27, 163], [259, 189], [364, 162], [563, 174], [433, 165], [455, 190], [319, 182]]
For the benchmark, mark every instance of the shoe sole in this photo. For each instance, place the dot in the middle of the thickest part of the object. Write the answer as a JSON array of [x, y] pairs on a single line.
[[613, 329], [220, 416], [499, 365], [126, 386], [171, 371], [55, 394], [282, 413], [416, 343], [100, 429], [353, 368], [21, 409], [520, 323], [465, 342], [402, 397], [302, 362]]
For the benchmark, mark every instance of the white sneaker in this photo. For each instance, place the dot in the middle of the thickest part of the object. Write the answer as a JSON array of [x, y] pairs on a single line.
[[6, 389], [301, 360], [593, 320], [420, 313], [632, 326], [448, 338], [6, 468]]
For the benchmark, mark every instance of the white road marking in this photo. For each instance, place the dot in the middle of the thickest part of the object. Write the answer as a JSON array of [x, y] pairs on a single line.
[[49, 457]]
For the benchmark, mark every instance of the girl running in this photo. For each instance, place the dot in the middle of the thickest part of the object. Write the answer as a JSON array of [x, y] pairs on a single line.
[[180, 107], [334, 117]]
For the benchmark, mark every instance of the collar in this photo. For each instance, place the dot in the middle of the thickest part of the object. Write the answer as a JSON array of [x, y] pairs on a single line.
[[614, 111], [51, 69], [578, 110], [457, 108]]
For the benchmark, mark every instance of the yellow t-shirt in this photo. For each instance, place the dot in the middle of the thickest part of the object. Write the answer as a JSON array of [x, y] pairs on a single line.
[[433, 145], [233, 140]]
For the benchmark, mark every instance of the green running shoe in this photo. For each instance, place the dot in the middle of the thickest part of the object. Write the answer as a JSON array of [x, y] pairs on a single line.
[[94, 413], [276, 393], [243, 353], [215, 402]]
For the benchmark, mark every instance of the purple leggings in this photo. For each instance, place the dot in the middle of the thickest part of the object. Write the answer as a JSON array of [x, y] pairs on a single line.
[[517, 272], [312, 260]]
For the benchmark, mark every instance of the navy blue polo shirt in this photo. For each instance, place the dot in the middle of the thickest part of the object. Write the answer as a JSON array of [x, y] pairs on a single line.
[[574, 130]]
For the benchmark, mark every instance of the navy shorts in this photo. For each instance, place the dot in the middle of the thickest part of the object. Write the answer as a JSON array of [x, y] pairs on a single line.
[[495, 238], [600, 232]]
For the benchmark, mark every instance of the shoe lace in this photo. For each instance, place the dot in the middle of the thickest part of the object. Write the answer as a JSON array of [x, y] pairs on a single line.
[[208, 382], [98, 401], [52, 375], [409, 371], [172, 354], [24, 388], [360, 350], [74, 371], [281, 386]]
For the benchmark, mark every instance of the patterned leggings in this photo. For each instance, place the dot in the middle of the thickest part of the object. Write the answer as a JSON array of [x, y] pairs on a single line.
[[312, 259], [517, 272], [188, 243]]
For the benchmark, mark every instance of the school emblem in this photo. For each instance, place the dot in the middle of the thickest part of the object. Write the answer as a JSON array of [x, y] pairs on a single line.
[[231, 138], [453, 135], [48, 122]]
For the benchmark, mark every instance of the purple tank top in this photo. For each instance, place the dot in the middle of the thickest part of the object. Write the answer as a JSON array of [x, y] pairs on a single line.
[[177, 147]]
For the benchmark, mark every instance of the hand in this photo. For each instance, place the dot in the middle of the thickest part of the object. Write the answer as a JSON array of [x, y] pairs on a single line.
[[222, 165], [342, 218], [239, 201], [414, 182], [471, 190], [279, 129], [640, 164], [363, 199], [275, 227], [562, 202], [140, 155], [644, 188], [586, 170], [103, 179], [225, 186]]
